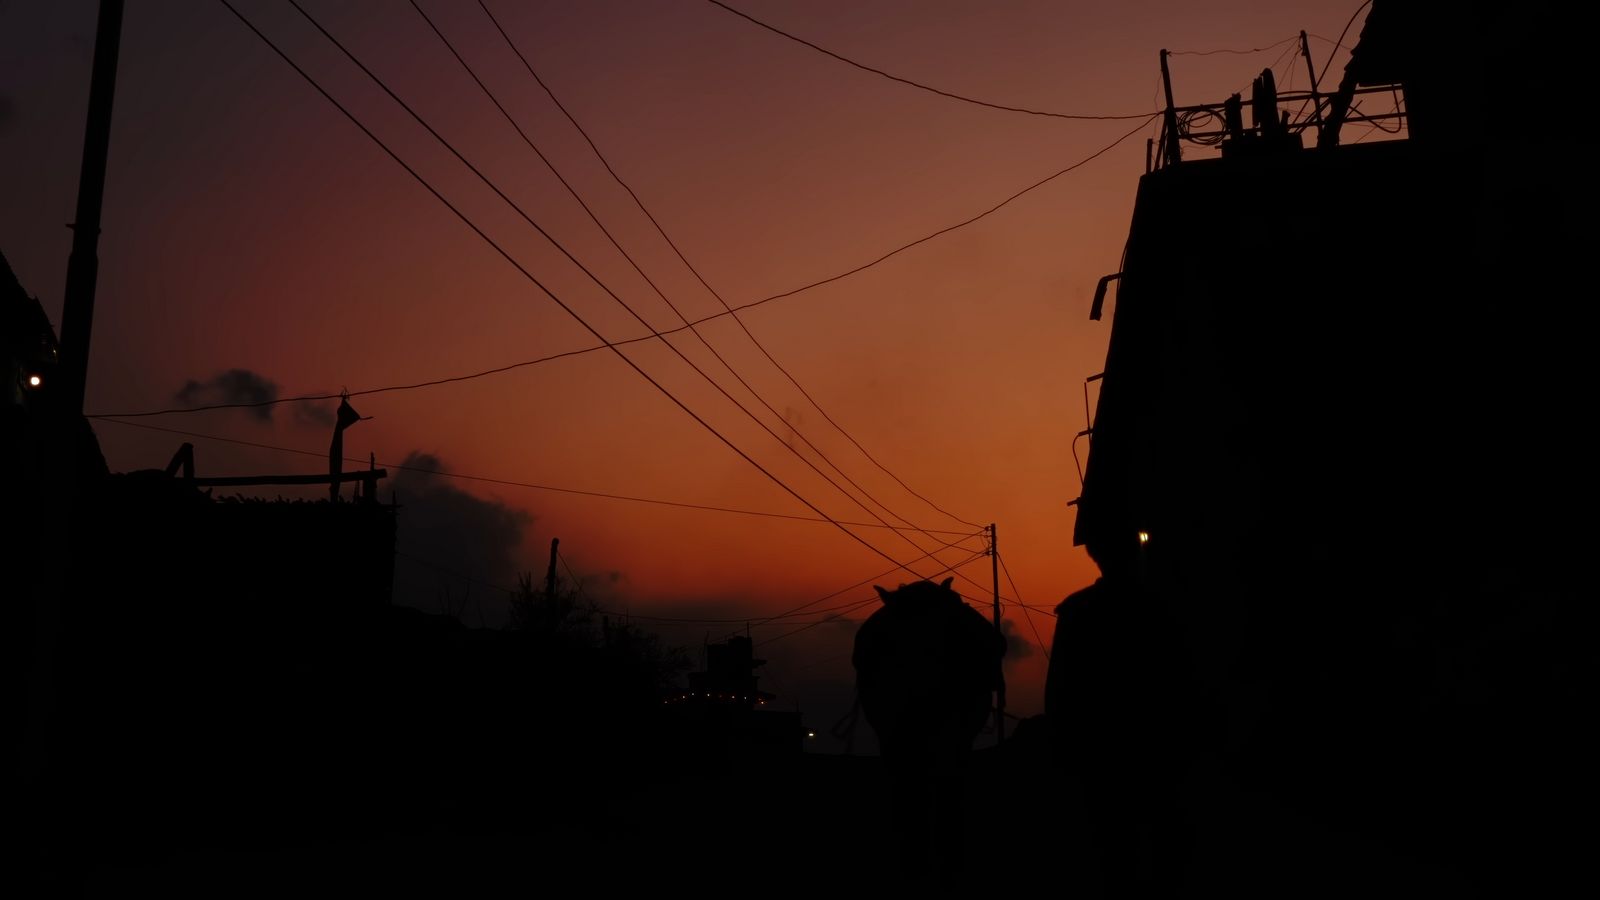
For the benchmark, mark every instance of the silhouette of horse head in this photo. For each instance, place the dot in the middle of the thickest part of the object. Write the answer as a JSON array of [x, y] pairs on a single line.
[[926, 664]]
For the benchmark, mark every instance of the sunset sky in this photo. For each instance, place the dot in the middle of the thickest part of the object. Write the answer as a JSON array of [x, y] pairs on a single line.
[[249, 225]]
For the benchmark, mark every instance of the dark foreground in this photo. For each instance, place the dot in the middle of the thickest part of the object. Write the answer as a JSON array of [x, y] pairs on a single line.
[[810, 825]]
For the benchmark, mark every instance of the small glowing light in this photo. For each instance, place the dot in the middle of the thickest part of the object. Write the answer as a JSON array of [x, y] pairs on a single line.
[[811, 734], [1144, 537], [34, 381]]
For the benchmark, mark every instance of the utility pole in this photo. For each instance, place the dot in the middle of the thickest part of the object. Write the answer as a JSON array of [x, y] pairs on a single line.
[[83, 266], [1170, 122], [49, 788], [550, 575], [1000, 663], [1316, 96]]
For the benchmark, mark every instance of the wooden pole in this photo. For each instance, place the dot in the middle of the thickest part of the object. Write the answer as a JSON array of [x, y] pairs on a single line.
[[233, 480]]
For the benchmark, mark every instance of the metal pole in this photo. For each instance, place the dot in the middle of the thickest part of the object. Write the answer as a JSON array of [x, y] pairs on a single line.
[[1170, 122], [77, 314], [1316, 98], [1000, 683]]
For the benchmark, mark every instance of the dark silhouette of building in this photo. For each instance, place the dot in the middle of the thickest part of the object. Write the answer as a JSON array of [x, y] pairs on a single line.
[[1335, 469], [724, 717], [30, 341], [730, 675], [189, 664]]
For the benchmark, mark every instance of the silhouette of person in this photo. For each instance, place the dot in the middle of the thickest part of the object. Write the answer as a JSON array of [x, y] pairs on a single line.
[[926, 665]]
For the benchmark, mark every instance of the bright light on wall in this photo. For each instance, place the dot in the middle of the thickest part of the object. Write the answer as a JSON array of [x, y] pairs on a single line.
[[34, 381]]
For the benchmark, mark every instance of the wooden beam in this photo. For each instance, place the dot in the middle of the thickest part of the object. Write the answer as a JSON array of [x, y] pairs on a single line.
[[232, 480]]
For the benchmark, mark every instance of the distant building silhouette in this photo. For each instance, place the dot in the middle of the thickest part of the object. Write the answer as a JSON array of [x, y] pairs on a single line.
[[723, 716], [729, 677]]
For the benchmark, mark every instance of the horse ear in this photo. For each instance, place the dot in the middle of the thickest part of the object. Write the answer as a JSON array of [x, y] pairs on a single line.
[[946, 583], [883, 595]]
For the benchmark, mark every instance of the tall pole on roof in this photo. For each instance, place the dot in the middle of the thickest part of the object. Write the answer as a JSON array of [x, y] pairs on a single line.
[[83, 266], [1170, 121], [1316, 95]]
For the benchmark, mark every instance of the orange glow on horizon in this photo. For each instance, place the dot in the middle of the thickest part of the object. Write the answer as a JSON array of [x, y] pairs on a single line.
[[249, 226]]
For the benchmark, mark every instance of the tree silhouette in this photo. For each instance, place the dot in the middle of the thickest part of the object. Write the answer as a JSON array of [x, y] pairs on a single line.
[[568, 623]]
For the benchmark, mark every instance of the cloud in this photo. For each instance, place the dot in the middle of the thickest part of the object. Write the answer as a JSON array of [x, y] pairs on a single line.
[[1018, 648], [232, 386], [314, 414], [245, 386], [453, 541]]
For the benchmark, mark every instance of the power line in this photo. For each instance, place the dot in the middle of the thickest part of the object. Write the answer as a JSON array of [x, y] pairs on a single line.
[[823, 621], [1336, 45], [677, 620], [576, 581], [653, 620], [378, 390], [613, 345], [956, 569], [1286, 54], [484, 88], [1025, 611], [916, 84], [862, 583], [500, 481], [1340, 42], [701, 278], [949, 228], [1373, 123], [605, 344], [747, 621], [952, 545], [534, 280], [1235, 52], [969, 560], [976, 603], [489, 183], [509, 483]]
